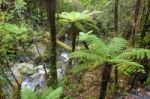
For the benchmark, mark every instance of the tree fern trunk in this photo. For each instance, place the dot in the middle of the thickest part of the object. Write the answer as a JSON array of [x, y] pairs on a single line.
[[73, 37], [106, 74]]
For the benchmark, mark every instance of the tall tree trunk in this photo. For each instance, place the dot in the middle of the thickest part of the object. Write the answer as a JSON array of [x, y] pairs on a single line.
[[136, 13], [143, 32], [106, 74], [116, 32], [51, 11], [17, 86], [116, 17]]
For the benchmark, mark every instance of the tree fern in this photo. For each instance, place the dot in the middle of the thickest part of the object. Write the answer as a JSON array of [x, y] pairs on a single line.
[[114, 51], [79, 19]]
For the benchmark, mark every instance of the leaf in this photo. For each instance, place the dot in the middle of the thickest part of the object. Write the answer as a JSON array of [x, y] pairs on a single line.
[[26, 93], [55, 94]]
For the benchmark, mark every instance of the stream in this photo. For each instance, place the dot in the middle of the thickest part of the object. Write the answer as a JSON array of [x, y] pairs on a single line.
[[33, 77]]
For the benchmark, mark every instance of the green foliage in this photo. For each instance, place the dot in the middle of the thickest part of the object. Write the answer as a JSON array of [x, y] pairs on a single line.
[[120, 45], [114, 51], [135, 53], [47, 94], [79, 20], [77, 16], [55, 94], [1, 16], [28, 94], [11, 36], [147, 82]]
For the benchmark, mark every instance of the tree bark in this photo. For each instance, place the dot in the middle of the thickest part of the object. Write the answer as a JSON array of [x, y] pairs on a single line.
[[116, 17], [106, 74], [73, 37], [145, 28], [116, 32], [136, 13], [51, 11]]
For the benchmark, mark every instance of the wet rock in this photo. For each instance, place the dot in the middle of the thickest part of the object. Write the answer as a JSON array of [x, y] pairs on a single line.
[[33, 81], [148, 88]]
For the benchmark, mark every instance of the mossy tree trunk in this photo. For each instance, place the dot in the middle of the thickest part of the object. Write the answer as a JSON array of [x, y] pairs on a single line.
[[145, 27], [51, 11]]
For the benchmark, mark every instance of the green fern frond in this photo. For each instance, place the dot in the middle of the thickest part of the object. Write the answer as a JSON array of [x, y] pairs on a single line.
[[127, 66], [91, 24], [135, 53], [117, 45], [55, 94], [96, 45], [84, 54], [46, 93], [79, 26], [26, 93], [73, 16]]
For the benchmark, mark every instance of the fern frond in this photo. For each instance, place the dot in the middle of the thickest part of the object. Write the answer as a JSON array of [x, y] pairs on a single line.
[[46, 93], [55, 94], [117, 45], [84, 54], [135, 53], [95, 44], [26, 93], [79, 26], [127, 66]]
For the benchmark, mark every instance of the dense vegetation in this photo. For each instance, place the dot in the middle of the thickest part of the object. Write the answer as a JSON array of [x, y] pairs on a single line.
[[106, 45]]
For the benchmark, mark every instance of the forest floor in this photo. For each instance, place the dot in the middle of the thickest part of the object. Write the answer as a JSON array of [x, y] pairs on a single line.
[[87, 86]]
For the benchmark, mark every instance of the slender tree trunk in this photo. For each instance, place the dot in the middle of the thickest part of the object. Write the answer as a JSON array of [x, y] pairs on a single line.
[[51, 11], [73, 40], [6, 77], [73, 37], [106, 74], [116, 32], [9, 68], [136, 13], [143, 32], [17, 86], [116, 17]]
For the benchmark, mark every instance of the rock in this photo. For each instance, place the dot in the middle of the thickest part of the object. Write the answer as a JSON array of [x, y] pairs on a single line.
[[148, 88], [26, 69], [33, 81]]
